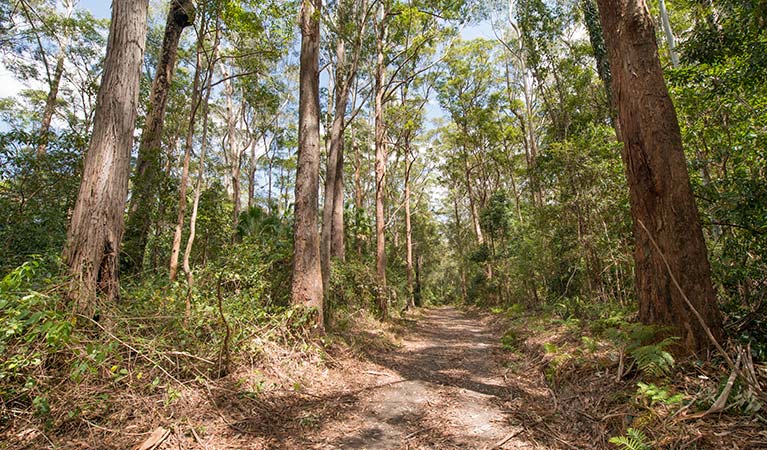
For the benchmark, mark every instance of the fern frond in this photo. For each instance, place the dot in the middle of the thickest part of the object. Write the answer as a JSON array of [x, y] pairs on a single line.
[[633, 440]]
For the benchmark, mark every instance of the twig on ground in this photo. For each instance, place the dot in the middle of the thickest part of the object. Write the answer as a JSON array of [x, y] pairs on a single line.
[[189, 355], [508, 437], [416, 433], [109, 430], [720, 402], [197, 437], [130, 347]]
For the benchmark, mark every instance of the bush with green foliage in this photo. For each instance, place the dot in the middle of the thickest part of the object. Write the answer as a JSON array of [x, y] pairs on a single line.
[[32, 332], [36, 193]]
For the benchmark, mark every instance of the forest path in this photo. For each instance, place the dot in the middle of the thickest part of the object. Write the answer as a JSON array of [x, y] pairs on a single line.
[[447, 383], [445, 387]]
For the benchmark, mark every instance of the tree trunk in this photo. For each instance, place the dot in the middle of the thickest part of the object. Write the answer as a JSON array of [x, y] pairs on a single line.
[[234, 153], [50, 103], [196, 100], [200, 178], [670, 40], [96, 228], [147, 175], [55, 83], [660, 193], [472, 204], [338, 237], [335, 154], [417, 298], [380, 166], [307, 289], [357, 190], [408, 231]]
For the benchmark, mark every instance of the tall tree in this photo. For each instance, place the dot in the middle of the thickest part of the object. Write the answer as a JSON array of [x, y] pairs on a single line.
[[662, 203], [196, 99], [332, 237], [306, 288], [147, 174], [380, 152], [96, 227]]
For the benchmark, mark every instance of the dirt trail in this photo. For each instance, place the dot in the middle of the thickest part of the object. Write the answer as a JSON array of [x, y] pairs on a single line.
[[445, 387], [448, 385]]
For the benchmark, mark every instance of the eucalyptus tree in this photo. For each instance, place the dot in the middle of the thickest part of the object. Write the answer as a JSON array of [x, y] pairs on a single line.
[[673, 275], [95, 231], [307, 288], [468, 90], [146, 177], [243, 39], [350, 29]]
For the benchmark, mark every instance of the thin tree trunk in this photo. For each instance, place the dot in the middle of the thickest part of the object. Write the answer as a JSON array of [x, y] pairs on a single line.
[[196, 100], [50, 103], [148, 171], [660, 194], [472, 204], [307, 288], [408, 231], [338, 237], [670, 40], [54, 84], [380, 164], [235, 156], [96, 228], [335, 151], [200, 177], [357, 189], [252, 172]]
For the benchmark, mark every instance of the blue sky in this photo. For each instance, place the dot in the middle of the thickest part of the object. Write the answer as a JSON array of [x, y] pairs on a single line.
[[99, 8]]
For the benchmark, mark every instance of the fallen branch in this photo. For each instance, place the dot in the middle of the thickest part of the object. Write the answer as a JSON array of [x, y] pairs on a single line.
[[721, 402]]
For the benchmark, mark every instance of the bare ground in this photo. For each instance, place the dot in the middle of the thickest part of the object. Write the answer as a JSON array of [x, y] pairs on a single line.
[[436, 380]]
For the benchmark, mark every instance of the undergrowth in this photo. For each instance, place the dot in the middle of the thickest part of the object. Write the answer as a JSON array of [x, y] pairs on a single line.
[[630, 366]]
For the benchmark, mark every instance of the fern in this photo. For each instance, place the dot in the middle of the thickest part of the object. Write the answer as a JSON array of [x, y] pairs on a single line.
[[658, 394], [653, 359], [633, 440]]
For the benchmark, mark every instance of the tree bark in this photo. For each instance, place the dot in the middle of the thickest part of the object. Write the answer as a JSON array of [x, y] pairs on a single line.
[[357, 190], [148, 171], [380, 164], [338, 236], [307, 288], [96, 228], [660, 194]]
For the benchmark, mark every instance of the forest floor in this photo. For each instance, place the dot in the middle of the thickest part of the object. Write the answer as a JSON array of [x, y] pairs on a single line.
[[437, 379]]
